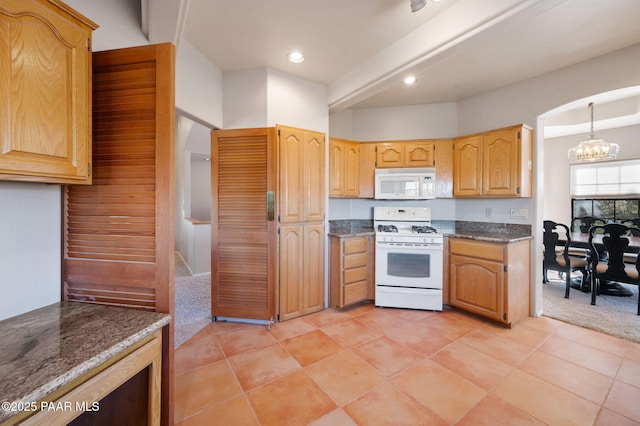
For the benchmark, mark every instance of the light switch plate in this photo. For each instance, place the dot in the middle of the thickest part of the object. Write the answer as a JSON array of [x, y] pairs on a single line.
[[519, 213]]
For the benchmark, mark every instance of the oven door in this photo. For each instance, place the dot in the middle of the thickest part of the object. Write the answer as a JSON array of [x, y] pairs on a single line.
[[409, 265]]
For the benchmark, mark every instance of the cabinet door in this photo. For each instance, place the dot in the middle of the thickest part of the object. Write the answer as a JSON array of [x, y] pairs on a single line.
[[477, 285], [336, 168], [367, 165], [291, 271], [291, 146], [500, 163], [45, 107], [118, 232], [302, 174], [356, 270], [389, 155], [313, 177], [243, 231], [313, 270], [352, 170], [419, 154], [444, 168], [467, 166]]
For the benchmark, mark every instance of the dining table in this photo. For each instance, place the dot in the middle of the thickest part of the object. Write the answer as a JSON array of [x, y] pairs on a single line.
[[611, 288]]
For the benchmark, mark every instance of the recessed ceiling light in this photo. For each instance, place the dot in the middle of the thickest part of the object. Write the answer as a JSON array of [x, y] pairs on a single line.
[[296, 57], [410, 80]]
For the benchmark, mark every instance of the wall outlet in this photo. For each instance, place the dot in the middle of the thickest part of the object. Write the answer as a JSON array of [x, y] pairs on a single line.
[[489, 212], [519, 213]]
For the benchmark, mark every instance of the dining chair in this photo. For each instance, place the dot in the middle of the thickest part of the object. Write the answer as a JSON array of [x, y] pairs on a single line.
[[607, 263], [631, 257], [582, 224], [561, 261]]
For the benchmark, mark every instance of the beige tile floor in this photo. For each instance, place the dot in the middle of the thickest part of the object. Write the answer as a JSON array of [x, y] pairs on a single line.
[[381, 366]]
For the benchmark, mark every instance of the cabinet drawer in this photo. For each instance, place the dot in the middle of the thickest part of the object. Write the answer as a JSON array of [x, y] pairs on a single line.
[[355, 245], [355, 260], [477, 249], [355, 292], [353, 275]]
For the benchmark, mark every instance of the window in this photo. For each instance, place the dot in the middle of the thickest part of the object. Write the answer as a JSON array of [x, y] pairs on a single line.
[[613, 179], [615, 210]]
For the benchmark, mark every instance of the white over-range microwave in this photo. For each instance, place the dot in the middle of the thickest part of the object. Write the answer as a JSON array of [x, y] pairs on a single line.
[[405, 184]]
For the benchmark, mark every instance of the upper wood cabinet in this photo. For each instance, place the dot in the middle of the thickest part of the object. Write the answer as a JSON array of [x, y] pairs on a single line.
[[367, 164], [405, 154], [343, 168], [45, 108], [444, 168], [494, 164], [421, 153], [302, 173]]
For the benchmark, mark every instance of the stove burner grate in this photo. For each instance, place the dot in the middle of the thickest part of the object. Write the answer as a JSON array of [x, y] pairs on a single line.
[[387, 228], [423, 229]]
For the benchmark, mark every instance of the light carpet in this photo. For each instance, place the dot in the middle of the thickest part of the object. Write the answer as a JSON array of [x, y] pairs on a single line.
[[611, 315], [192, 303]]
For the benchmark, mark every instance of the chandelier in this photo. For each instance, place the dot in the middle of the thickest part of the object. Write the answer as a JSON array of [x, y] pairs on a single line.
[[593, 149]]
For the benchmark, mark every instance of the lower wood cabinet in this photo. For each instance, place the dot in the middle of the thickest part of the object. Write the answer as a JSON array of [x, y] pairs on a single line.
[[490, 279], [351, 270], [301, 270]]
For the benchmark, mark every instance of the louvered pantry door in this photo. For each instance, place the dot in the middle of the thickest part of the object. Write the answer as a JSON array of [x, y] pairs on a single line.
[[243, 226], [118, 232]]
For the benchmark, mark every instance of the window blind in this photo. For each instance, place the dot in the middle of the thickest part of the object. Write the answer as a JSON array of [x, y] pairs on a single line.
[[614, 178]]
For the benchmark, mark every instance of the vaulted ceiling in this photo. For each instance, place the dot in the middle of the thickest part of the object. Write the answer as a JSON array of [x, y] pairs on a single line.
[[362, 49]]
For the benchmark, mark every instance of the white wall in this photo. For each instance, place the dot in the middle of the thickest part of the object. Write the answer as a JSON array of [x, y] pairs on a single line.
[[557, 198], [182, 198], [199, 89], [30, 214], [30, 252], [431, 121], [294, 102], [245, 99], [119, 22], [200, 188]]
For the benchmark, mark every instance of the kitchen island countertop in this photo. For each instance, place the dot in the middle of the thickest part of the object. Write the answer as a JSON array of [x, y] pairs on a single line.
[[48, 348]]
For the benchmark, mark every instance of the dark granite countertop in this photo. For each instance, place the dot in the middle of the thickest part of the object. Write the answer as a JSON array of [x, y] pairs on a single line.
[[490, 232], [350, 228], [482, 231], [45, 349]]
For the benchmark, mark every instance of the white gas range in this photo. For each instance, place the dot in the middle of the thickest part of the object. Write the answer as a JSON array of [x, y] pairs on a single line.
[[409, 256]]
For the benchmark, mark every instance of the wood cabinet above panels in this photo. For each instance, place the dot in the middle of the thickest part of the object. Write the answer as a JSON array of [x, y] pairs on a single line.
[[494, 164], [45, 81], [344, 165], [405, 154]]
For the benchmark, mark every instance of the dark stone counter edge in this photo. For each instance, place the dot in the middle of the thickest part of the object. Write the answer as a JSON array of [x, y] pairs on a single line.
[[69, 376], [91, 363], [486, 237], [350, 233], [492, 238], [481, 231]]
